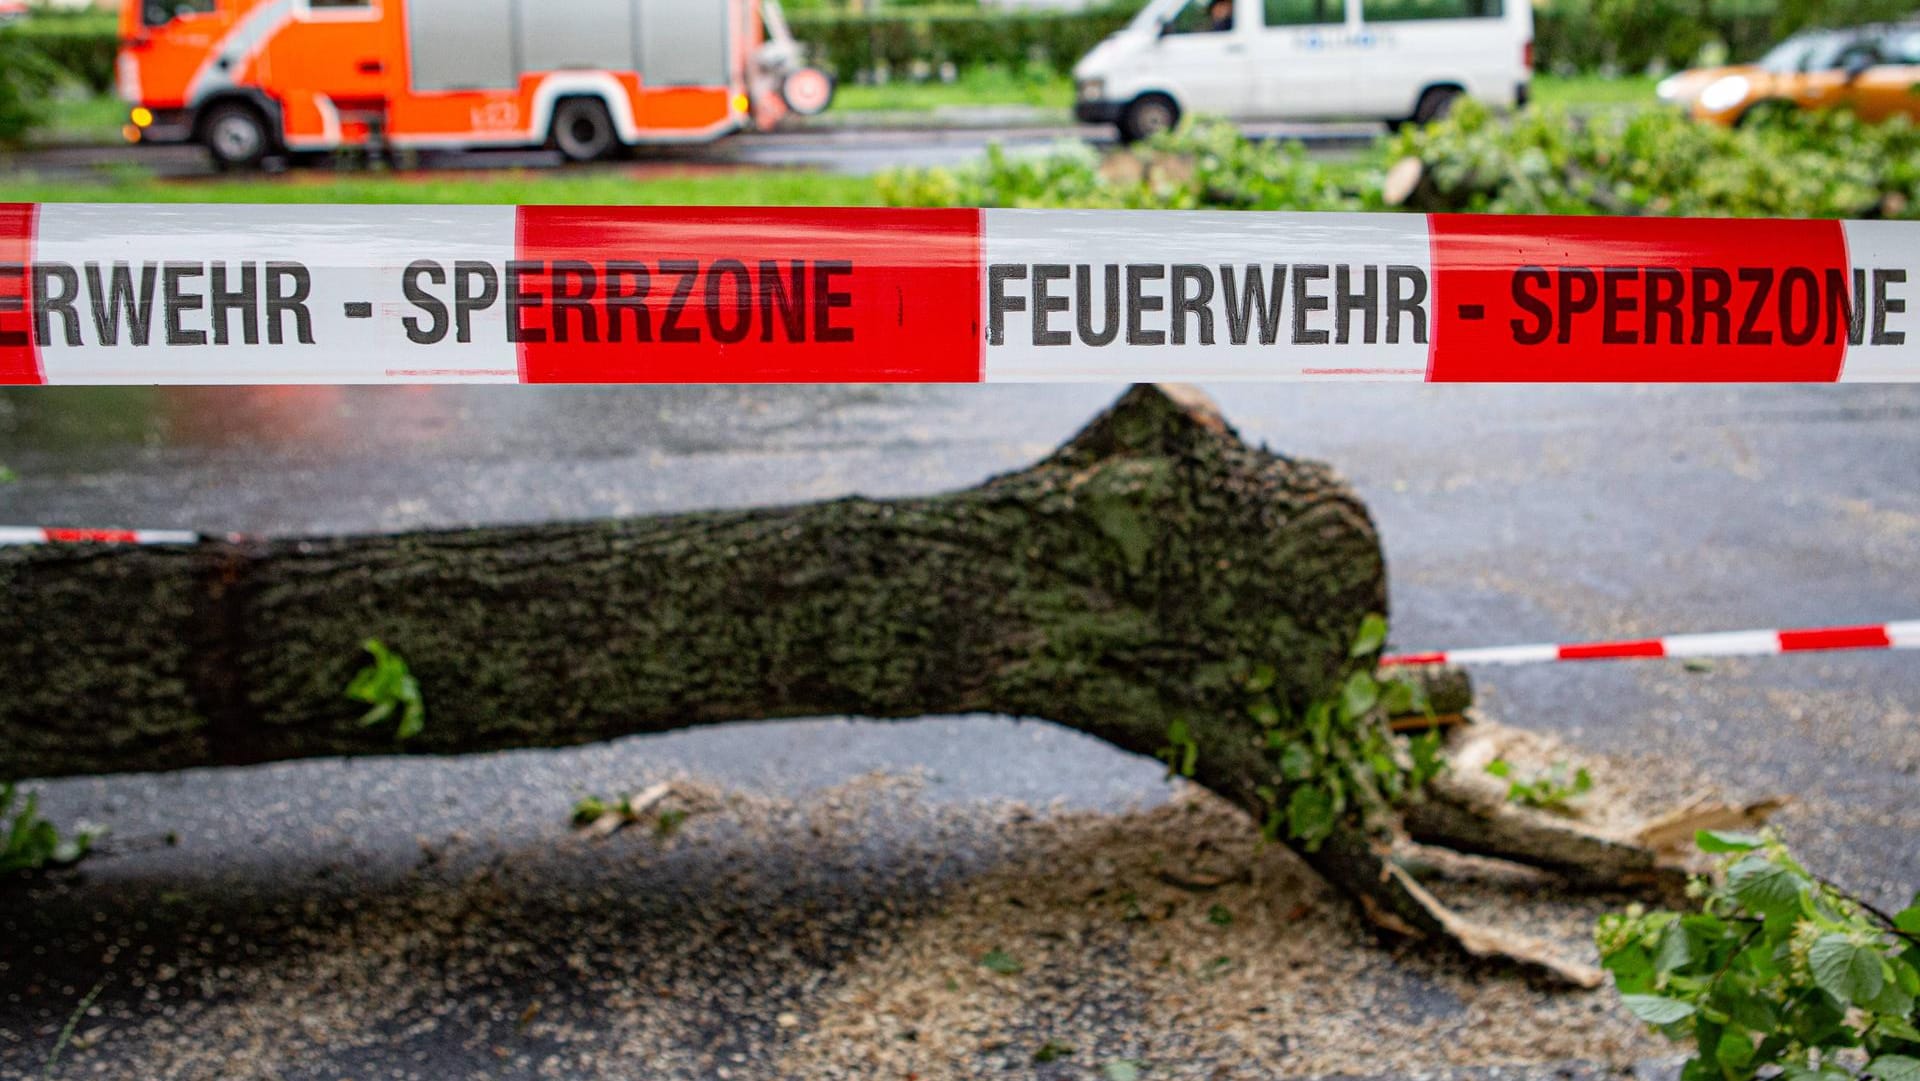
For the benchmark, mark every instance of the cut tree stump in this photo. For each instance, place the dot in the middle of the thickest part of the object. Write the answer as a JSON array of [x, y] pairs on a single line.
[[1130, 578]]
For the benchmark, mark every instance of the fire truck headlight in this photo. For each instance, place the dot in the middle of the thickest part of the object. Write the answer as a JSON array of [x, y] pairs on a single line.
[[740, 103], [142, 116]]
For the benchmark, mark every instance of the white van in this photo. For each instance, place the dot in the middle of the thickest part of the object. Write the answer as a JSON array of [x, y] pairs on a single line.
[[1392, 60]]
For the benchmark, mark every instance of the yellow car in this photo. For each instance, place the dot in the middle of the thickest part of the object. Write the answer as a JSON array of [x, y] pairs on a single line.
[[1873, 70]]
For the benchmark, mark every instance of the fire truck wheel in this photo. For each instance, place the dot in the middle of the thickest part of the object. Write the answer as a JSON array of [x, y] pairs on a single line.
[[236, 135], [583, 130]]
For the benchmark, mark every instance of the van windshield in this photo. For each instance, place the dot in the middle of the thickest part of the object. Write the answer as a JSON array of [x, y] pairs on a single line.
[[162, 12]]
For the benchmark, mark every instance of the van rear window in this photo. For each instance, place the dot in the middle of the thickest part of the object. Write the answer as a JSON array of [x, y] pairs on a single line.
[[1387, 11], [1305, 12]]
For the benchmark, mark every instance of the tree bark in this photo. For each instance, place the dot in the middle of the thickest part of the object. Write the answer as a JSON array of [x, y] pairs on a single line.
[[1123, 581], [1132, 578]]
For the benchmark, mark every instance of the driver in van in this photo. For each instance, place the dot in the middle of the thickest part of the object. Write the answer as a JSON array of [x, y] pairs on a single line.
[[1220, 15]]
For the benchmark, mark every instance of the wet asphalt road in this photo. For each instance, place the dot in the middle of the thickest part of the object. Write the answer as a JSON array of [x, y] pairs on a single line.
[[852, 150], [1508, 515]]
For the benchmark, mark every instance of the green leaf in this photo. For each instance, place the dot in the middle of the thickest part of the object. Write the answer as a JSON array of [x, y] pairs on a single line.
[[1657, 1009], [1895, 1068], [1262, 678], [1725, 841], [1296, 762], [1893, 1000], [1264, 712], [1359, 695], [1122, 1069], [1900, 1029], [1310, 814], [1676, 949], [1845, 969], [1001, 962], [1052, 1051], [1400, 698], [1582, 781], [1765, 887], [1734, 1050], [1908, 919], [1500, 768], [1373, 635]]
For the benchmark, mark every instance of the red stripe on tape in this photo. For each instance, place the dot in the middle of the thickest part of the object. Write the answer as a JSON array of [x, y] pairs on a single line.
[[91, 536], [1874, 637], [1603, 651], [19, 357], [746, 295], [1556, 299]]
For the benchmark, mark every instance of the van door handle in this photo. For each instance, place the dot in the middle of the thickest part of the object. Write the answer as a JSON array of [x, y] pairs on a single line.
[[371, 67], [1236, 48]]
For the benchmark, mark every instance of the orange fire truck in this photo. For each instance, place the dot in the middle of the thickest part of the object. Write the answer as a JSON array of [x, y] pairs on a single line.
[[251, 79]]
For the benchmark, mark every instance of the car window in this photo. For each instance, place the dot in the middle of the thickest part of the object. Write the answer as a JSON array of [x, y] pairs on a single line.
[[1381, 11], [1858, 54], [1304, 12], [1825, 54], [1786, 56], [1902, 47], [161, 12]]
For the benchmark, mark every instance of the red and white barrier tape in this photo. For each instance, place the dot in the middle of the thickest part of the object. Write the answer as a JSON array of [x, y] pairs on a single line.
[[18, 535], [1902, 635], [129, 294]]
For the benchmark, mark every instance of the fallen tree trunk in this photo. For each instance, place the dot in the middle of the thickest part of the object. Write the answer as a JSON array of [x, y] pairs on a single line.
[[1109, 587], [1132, 578]]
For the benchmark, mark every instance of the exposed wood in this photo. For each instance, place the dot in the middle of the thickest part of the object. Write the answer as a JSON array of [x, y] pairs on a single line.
[[1406, 184], [1675, 829], [1420, 722]]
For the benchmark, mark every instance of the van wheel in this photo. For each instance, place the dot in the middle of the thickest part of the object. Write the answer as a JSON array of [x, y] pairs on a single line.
[[1435, 104], [1148, 115], [583, 129], [236, 135]]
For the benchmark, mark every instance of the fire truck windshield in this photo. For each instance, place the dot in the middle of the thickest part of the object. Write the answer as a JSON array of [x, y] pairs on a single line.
[[162, 12]]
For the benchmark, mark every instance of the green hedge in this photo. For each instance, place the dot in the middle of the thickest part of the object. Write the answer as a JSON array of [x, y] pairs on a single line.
[[1651, 161], [854, 45], [1569, 35], [83, 45]]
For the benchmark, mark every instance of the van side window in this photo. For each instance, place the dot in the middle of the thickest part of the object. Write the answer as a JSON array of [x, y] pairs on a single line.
[[1389, 11], [162, 12], [1195, 18], [1305, 12]]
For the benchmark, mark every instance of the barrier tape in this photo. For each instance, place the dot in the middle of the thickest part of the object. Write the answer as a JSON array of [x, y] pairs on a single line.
[[19, 535], [131, 294], [1903, 635]]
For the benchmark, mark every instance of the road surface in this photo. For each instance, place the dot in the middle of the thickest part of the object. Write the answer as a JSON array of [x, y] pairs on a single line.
[[843, 150], [504, 948]]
